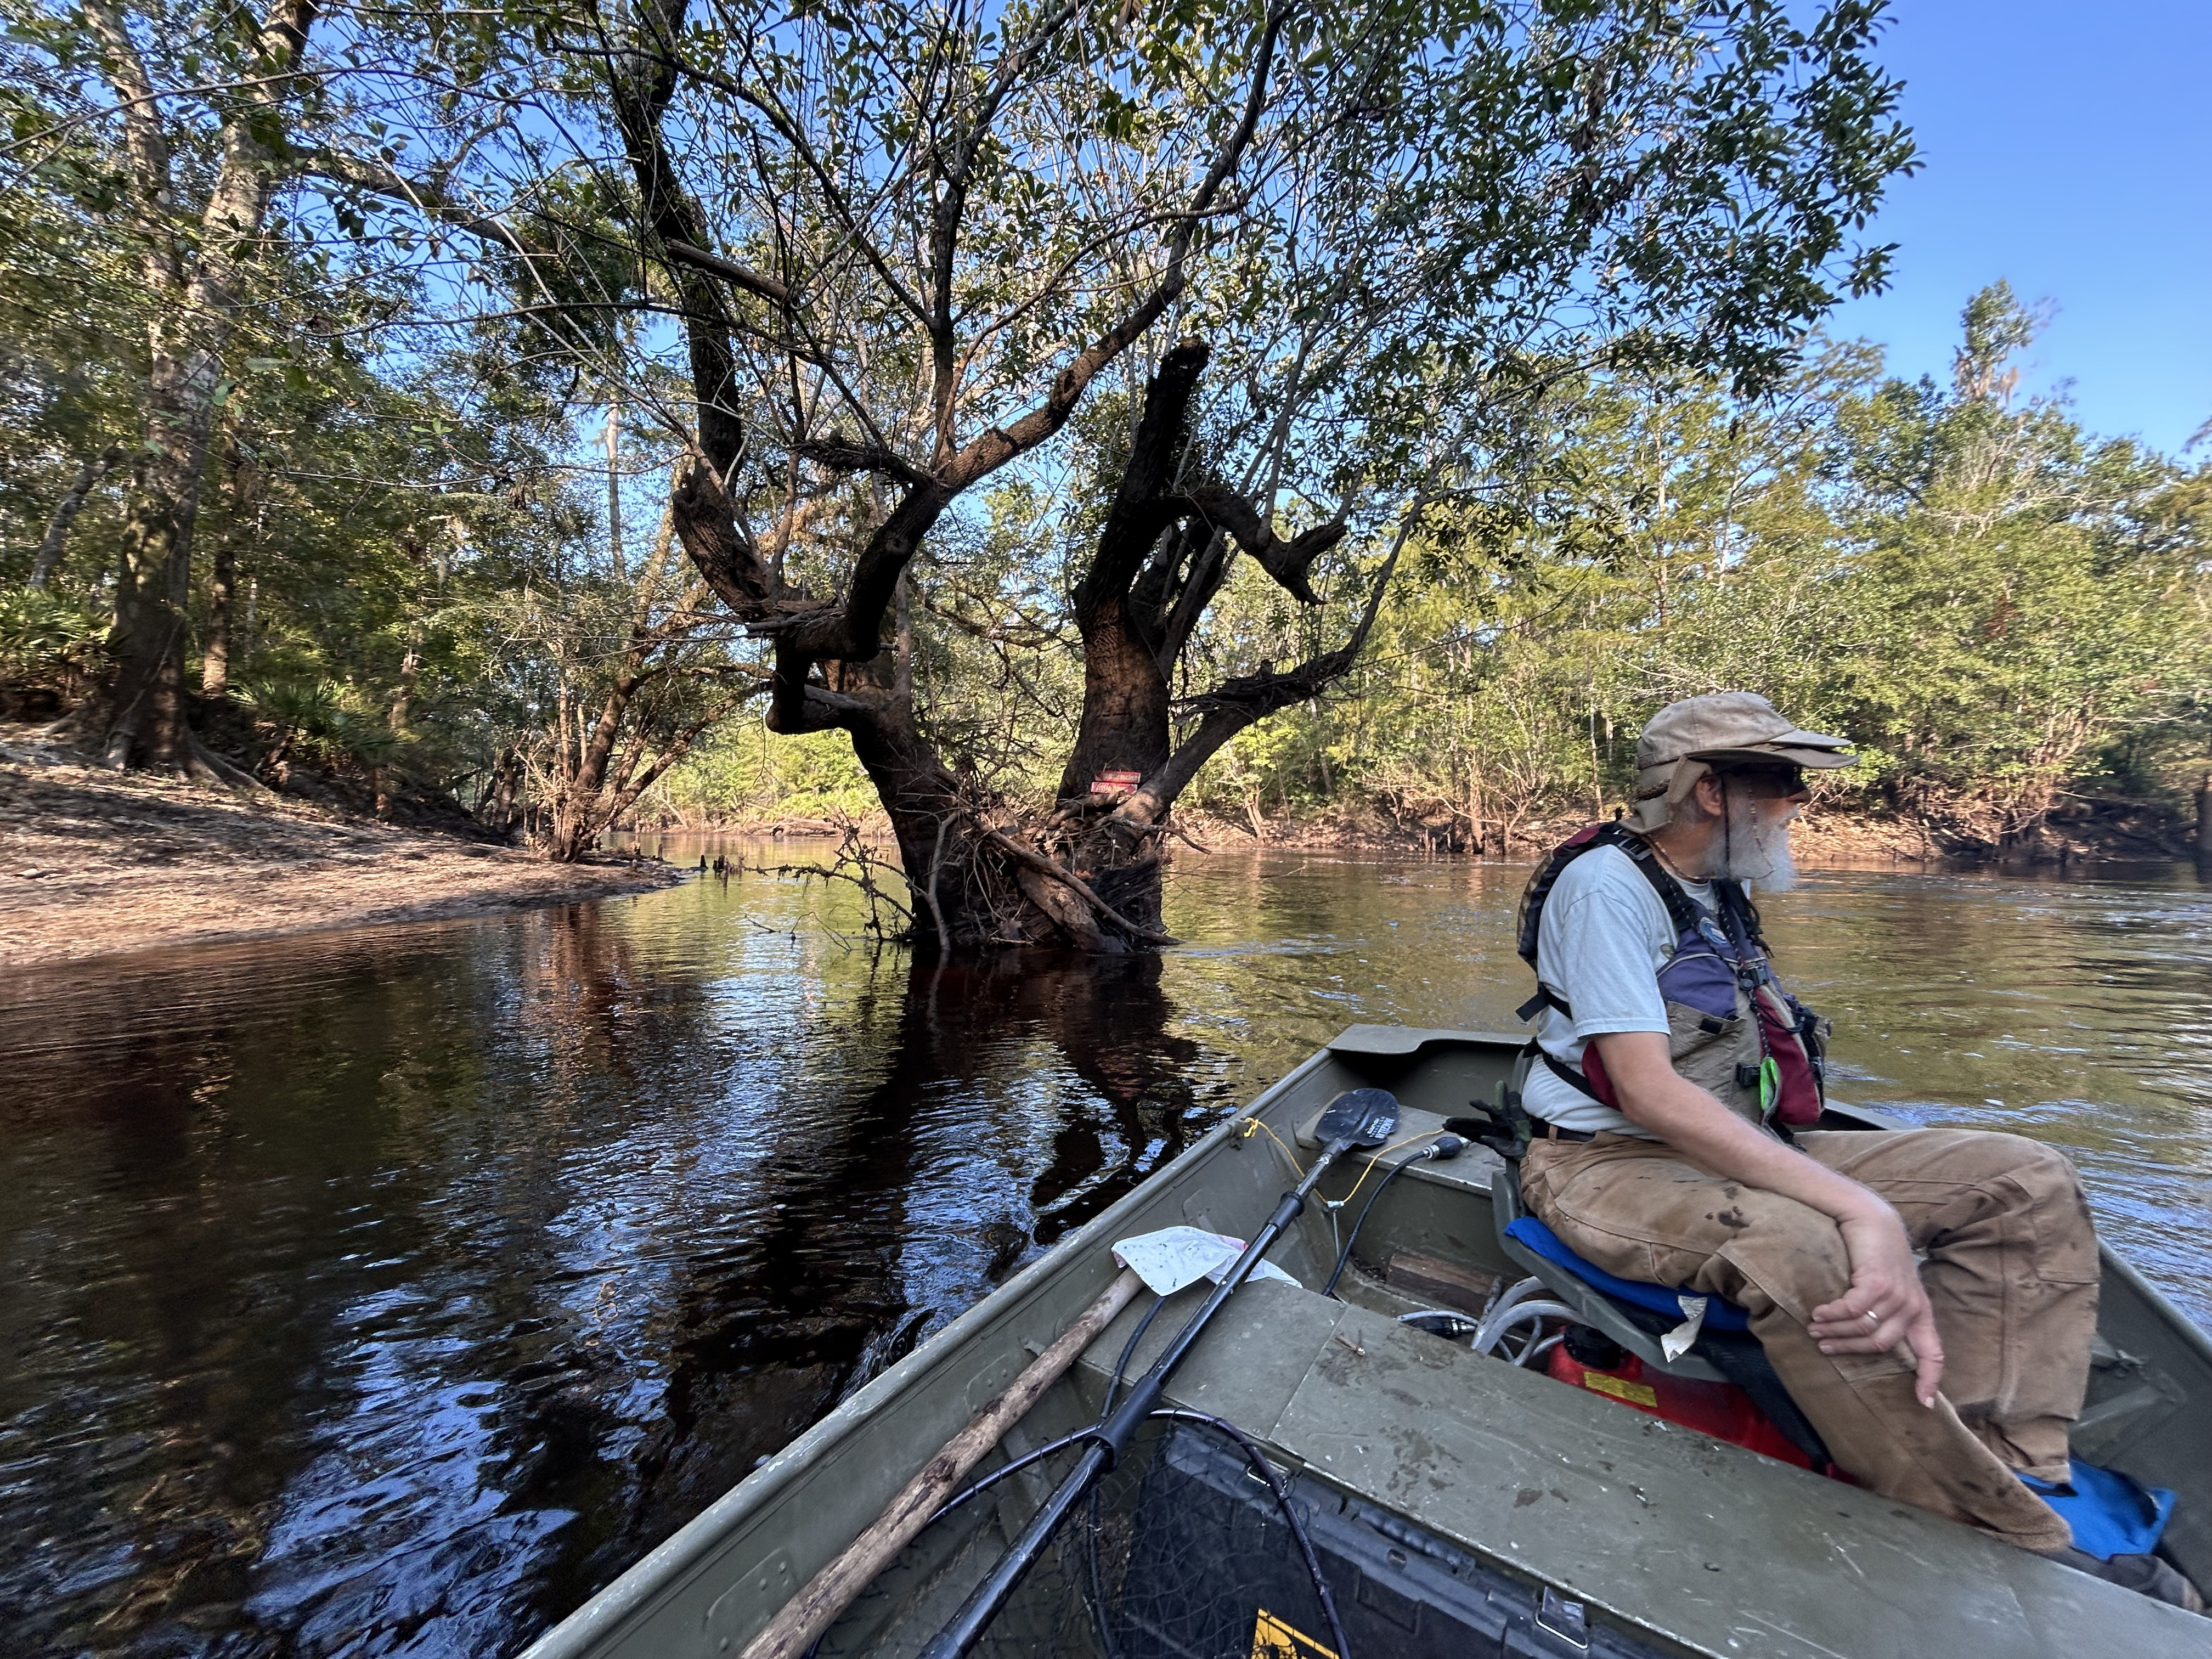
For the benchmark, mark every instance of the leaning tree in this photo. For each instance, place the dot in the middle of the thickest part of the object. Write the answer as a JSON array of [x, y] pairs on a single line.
[[1316, 266]]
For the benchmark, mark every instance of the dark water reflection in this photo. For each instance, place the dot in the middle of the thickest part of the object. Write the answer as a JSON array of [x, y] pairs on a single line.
[[388, 1292]]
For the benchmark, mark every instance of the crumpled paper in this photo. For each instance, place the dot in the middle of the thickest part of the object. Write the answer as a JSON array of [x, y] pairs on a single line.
[[1679, 1341], [1173, 1257]]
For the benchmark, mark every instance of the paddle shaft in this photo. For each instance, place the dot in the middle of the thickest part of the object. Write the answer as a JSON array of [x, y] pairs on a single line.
[[830, 1591], [1112, 1436]]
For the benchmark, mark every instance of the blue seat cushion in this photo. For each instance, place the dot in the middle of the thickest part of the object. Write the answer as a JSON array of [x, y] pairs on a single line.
[[2111, 1515], [1719, 1315]]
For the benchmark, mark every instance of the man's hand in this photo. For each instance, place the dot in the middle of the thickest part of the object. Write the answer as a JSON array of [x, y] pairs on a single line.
[[1885, 1278], [1886, 1304]]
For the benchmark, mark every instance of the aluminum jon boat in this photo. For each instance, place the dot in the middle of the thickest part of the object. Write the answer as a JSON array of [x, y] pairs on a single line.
[[1455, 1502]]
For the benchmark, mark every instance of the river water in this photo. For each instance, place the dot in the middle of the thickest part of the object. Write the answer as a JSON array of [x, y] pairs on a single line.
[[389, 1292]]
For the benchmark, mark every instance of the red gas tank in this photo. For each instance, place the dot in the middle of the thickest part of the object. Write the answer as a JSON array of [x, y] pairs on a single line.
[[1719, 1409]]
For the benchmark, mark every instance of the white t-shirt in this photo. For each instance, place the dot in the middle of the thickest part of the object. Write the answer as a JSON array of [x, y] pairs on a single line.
[[1603, 938]]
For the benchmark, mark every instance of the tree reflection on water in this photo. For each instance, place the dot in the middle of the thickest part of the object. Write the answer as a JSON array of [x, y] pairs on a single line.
[[392, 1291]]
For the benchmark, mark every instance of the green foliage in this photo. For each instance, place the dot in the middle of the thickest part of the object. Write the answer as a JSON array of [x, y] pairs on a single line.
[[46, 640], [1998, 609], [375, 474], [748, 776], [1549, 270], [321, 719]]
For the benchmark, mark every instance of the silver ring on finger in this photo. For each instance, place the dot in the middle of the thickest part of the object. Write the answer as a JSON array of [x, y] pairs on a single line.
[[1873, 1318]]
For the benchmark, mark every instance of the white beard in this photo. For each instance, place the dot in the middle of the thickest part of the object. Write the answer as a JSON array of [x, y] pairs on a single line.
[[1754, 845]]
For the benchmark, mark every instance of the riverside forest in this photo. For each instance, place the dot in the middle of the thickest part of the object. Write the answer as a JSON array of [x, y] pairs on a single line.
[[1009, 425]]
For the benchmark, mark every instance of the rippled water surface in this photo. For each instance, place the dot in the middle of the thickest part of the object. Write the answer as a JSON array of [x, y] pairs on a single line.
[[388, 1292]]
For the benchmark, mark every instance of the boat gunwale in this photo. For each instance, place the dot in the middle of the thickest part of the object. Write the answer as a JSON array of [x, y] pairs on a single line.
[[2182, 1327]]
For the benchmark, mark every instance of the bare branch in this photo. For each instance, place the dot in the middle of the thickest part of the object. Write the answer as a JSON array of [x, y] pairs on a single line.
[[945, 227], [1246, 699], [993, 448], [752, 281], [1286, 561], [841, 454], [424, 197], [854, 635]]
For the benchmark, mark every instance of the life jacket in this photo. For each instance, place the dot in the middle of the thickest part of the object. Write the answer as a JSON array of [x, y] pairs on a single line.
[[1732, 1028]]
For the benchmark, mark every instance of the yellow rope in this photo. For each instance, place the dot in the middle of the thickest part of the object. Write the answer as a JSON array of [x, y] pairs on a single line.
[[1252, 1123], [1375, 1162]]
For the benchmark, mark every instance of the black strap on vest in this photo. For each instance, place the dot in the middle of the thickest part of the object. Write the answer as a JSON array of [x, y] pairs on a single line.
[[1683, 911], [1573, 1076], [1740, 921]]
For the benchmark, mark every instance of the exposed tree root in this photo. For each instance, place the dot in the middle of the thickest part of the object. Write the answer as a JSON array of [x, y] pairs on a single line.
[[1044, 866], [206, 766]]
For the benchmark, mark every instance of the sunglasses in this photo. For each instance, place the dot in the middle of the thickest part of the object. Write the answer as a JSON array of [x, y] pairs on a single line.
[[1775, 780]]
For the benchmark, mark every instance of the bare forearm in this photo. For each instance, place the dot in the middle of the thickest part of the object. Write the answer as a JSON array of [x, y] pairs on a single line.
[[1656, 1098]]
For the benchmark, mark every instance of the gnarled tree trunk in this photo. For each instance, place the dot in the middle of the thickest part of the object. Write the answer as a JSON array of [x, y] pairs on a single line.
[[1090, 876]]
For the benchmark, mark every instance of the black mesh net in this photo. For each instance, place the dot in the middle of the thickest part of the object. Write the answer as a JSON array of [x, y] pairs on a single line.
[[1186, 1551], [1183, 1551]]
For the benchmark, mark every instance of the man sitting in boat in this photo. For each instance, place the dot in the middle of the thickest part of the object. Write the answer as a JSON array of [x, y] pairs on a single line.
[[1672, 1072]]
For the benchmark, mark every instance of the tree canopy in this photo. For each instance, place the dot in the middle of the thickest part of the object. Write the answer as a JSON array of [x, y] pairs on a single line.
[[1066, 406]]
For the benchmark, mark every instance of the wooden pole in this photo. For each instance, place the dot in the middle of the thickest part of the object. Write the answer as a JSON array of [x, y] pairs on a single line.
[[830, 1591]]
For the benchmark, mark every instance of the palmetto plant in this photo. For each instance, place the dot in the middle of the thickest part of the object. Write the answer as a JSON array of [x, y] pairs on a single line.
[[321, 719], [47, 640]]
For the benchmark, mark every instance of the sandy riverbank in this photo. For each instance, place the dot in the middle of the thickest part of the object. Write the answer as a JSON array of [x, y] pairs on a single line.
[[94, 863]]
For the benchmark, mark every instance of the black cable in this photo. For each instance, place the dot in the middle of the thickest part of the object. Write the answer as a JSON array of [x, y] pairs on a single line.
[[1343, 1256], [1266, 1472], [1015, 1468], [1113, 1387], [1436, 1149], [1121, 1366]]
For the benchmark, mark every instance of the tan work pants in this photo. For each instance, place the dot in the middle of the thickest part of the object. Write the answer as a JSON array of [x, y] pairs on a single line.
[[2011, 1270]]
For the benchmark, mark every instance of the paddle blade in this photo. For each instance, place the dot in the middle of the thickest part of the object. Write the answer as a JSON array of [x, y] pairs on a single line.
[[1358, 1117]]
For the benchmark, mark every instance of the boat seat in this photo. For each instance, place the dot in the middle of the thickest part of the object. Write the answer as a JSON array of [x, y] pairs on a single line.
[[1631, 1314], [1721, 1314], [1636, 1314]]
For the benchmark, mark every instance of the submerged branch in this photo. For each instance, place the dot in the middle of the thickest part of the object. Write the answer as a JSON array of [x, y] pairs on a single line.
[[1055, 872]]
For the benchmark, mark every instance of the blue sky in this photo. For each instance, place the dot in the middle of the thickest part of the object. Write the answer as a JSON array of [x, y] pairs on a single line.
[[2068, 148]]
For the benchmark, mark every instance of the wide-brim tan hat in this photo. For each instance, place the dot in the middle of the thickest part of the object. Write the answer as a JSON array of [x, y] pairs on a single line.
[[1686, 740]]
